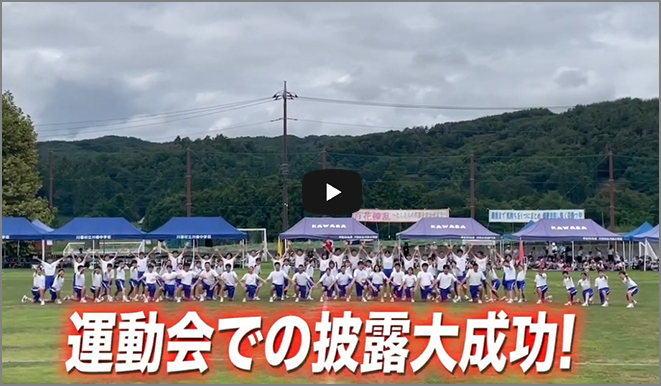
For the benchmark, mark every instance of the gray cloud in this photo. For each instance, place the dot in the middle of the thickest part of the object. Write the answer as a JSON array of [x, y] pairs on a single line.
[[82, 61]]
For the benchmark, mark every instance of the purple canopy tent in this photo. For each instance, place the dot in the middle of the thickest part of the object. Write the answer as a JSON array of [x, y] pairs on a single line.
[[566, 230], [449, 228], [323, 228]]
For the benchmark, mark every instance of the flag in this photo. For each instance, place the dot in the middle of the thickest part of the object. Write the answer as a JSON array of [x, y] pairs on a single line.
[[279, 246], [522, 253]]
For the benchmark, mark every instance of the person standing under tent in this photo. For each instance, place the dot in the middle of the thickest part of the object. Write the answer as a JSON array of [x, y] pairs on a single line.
[[49, 270], [632, 289]]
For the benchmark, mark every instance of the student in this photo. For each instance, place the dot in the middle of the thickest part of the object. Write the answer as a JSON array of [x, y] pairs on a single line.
[[327, 283], [56, 288], [410, 282], [79, 287], [601, 283], [150, 279], [97, 285], [343, 282], [251, 283], [474, 281], [509, 279], [77, 262], [169, 278], [107, 280], [377, 280], [388, 261], [277, 278], [207, 280], [541, 286], [360, 277], [521, 282], [568, 282], [120, 280], [494, 281], [632, 289], [302, 282], [49, 270], [185, 288], [424, 282], [228, 281], [134, 281], [446, 282], [397, 283], [38, 287], [586, 288]]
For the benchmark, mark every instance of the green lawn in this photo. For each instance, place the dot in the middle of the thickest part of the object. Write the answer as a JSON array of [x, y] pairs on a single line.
[[619, 345]]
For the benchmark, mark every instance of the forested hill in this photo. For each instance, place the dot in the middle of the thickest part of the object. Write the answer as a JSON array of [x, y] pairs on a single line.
[[531, 159]]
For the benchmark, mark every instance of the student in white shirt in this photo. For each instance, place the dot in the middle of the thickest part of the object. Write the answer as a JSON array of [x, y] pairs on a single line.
[[79, 289], [397, 283], [446, 282], [509, 279], [228, 282], [38, 287], [522, 271], [377, 281], [388, 262], [424, 282], [343, 282], [492, 276], [49, 270], [56, 289], [278, 279], [410, 282], [169, 278], [474, 281], [107, 281], [601, 282], [586, 287], [360, 276], [302, 284], [632, 288], [150, 278], [77, 262], [97, 284], [207, 279], [568, 283], [328, 286], [187, 277], [541, 286], [251, 283], [134, 281]]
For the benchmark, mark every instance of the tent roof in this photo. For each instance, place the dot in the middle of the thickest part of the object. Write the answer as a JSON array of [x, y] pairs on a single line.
[[188, 228], [528, 225], [97, 228], [645, 227], [322, 228], [449, 228], [20, 228], [651, 235], [42, 226], [566, 230]]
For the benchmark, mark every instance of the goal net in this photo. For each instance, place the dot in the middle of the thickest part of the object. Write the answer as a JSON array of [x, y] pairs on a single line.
[[105, 247]]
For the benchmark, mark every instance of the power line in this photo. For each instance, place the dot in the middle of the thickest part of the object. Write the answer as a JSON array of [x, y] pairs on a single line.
[[141, 116], [127, 127], [424, 107]]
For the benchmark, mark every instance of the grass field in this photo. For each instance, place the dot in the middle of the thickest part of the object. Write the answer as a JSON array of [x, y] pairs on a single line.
[[619, 345]]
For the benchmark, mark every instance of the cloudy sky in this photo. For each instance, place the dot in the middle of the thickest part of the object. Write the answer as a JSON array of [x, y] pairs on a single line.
[[186, 69]]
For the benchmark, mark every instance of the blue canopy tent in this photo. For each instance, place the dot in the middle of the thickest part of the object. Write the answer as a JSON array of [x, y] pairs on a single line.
[[97, 228], [20, 229], [645, 227], [42, 226], [197, 228], [509, 237]]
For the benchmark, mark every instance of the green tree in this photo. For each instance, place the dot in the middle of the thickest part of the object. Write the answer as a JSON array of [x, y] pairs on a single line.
[[20, 174]]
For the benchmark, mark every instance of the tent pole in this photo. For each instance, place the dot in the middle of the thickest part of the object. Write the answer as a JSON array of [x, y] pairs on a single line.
[[43, 250]]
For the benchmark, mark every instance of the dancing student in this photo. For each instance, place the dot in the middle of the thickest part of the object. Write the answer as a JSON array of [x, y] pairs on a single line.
[[228, 282], [632, 289], [277, 278], [601, 283], [302, 282], [568, 283], [38, 287], [251, 283]]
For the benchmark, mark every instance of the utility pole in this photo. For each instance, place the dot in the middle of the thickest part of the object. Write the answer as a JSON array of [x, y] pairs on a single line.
[[324, 165], [51, 178], [285, 95], [189, 183], [611, 191], [472, 184]]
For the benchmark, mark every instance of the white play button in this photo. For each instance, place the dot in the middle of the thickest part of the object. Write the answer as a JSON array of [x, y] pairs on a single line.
[[331, 192]]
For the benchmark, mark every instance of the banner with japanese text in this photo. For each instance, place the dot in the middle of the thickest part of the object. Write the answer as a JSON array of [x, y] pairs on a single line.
[[399, 215], [525, 216]]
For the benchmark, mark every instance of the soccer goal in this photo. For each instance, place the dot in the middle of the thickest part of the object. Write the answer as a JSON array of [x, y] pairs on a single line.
[[105, 247]]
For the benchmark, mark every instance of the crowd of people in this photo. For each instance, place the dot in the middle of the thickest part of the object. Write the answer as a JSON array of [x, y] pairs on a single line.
[[403, 273]]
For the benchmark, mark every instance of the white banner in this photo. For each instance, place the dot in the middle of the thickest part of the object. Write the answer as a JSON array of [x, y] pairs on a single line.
[[399, 215], [525, 216]]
